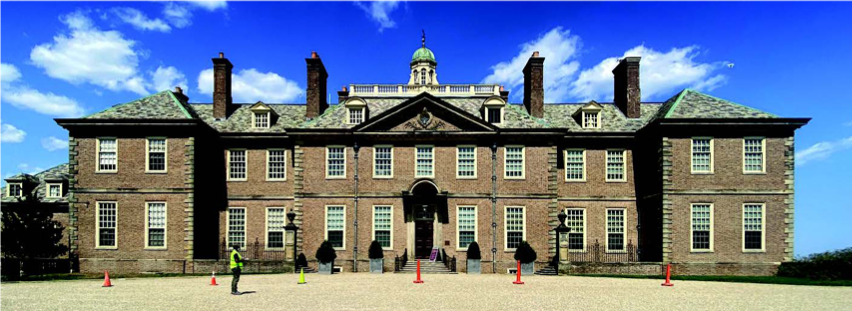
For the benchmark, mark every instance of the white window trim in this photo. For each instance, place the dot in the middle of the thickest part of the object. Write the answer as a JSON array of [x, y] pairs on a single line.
[[266, 230], [762, 228], [374, 162], [390, 248], [98, 225], [505, 227], [433, 161], [148, 156], [475, 162], [9, 189], [325, 224], [523, 162], [712, 231], [147, 227], [597, 118], [228, 170], [98, 155], [565, 166], [47, 189], [502, 113], [475, 226], [623, 156], [286, 163], [349, 114], [606, 239], [327, 176], [712, 156], [585, 229], [762, 158], [228, 226], [268, 119]]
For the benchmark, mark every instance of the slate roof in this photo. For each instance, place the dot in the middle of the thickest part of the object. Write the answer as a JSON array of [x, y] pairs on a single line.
[[240, 120], [59, 172], [691, 104], [163, 105], [612, 119]]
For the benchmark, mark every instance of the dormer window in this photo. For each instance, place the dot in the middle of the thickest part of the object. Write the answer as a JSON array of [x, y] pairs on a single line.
[[54, 190], [261, 119], [492, 110], [356, 111], [14, 190], [591, 119], [589, 116], [262, 116], [356, 115]]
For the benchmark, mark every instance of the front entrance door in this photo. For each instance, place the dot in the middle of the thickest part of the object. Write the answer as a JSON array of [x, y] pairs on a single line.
[[424, 218]]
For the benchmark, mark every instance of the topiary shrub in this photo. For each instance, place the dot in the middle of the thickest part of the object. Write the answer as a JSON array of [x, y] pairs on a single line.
[[525, 253], [301, 261], [473, 251], [326, 253], [376, 251]]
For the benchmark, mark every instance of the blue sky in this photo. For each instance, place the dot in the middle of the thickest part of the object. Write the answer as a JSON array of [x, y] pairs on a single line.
[[70, 59]]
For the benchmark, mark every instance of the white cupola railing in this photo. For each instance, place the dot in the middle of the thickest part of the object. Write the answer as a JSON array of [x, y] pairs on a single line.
[[395, 90]]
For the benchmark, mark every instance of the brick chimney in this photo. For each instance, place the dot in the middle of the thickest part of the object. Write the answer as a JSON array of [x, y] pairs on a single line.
[[504, 94], [534, 85], [180, 95], [316, 93], [222, 99], [627, 92], [343, 95]]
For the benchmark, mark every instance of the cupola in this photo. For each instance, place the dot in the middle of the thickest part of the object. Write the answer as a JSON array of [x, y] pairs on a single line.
[[423, 66]]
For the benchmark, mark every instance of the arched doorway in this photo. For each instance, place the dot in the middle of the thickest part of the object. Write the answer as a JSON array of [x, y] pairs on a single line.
[[424, 205]]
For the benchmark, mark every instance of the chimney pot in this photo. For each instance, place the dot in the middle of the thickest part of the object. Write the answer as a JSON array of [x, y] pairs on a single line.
[[221, 55], [535, 54], [178, 90], [314, 54], [344, 88]]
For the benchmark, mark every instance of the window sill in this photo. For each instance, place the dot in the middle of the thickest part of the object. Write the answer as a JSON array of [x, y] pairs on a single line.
[[754, 251], [577, 251], [152, 248], [754, 173], [702, 173], [466, 177], [339, 248], [616, 181], [575, 181], [514, 178], [157, 172], [700, 251], [276, 180], [106, 248], [383, 177], [338, 178], [274, 249], [617, 252], [237, 180], [106, 172]]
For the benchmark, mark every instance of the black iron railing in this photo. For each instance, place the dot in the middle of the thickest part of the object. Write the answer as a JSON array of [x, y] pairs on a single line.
[[11, 267], [598, 253], [254, 251], [449, 262], [399, 262]]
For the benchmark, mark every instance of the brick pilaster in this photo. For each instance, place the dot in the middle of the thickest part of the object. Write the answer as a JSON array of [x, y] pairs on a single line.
[[189, 202], [666, 165], [298, 185], [553, 206], [789, 168], [73, 169]]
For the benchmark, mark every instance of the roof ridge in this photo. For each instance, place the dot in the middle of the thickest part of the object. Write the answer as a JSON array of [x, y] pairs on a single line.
[[676, 102], [179, 104]]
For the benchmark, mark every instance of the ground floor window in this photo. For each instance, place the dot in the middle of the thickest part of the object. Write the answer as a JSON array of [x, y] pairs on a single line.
[[237, 226], [615, 229], [156, 224], [514, 226], [753, 226], [275, 227], [107, 231], [576, 221], [702, 227], [466, 226], [383, 224], [335, 219]]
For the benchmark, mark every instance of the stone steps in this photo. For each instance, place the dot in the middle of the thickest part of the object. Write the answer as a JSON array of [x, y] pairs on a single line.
[[549, 270], [426, 268]]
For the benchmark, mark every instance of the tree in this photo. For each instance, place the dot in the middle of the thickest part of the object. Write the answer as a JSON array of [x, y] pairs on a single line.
[[30, 232]]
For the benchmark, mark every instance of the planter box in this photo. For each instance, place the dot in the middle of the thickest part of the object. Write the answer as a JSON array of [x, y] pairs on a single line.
[[474, 266], [528, 268], [377, 265], [326, 267]]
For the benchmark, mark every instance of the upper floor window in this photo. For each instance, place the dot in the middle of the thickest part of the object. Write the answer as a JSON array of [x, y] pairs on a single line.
[[466, 162], [753, 159], [575, 165], [591, 119], [424, 161], [335, 162], [54, 190], [156, 159], [615, 160], [514, 163], [382, 162], [237, 165], [276, 164], [107, 155], [14, 190], [356, 115], [702, 155], [261, 119], [615, 229]]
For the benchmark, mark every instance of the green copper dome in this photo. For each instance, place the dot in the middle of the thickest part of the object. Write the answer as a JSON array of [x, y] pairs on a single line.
[[423, 54]]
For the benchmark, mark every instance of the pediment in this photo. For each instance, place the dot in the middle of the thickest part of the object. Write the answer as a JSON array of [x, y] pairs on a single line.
[[425, 112]]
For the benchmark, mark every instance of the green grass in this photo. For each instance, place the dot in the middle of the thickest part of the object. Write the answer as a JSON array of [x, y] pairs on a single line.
[[731, 278]]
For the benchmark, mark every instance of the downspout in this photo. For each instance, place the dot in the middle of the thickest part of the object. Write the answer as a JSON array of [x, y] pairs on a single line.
[[355, 248], [494, 208]]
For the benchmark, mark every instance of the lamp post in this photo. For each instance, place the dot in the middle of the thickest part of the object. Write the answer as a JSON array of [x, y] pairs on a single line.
[[561, 240], [292, 237]]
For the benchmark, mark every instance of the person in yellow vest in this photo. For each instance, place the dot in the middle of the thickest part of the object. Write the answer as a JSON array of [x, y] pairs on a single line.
[[236, 268]]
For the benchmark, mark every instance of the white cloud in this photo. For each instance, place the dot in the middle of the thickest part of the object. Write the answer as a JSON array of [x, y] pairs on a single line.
[[177, 14], [52, 143], [11, 134], [89, 55], [141, 21], [559, 48], [25, 168], [847, 123], [822, 150], [379, 11], [660, 74], [210, 5], [166, 78], [249, 86], [22, 96]]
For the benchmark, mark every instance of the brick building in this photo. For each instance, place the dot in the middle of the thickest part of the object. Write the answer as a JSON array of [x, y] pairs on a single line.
[[162, 184]]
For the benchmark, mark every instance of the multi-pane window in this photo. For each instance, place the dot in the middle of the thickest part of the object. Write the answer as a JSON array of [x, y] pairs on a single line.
[[615, 165], [107, 155], [237, 164], [334, 225], [275, 227], [494, 114], [702, 155], [514, 226], [615, 233], [575, 166], [156, 154], [466, 162], [702, 227], [237, 226], [54, 190], [335, 166], [383, 161], [107, 224], [156, 224], [276, 164], [753, 155], [382, 225], [425, 161], [514, 165], [356, 115], [15, 190], [590, 120], [753, 226], [466, 226], [423, 76], [577, 223], [261, 119]]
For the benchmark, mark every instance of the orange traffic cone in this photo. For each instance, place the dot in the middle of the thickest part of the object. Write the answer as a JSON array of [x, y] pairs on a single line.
[[518, 281], [107, 283], [668, 275], [213, 280], [418, 280]]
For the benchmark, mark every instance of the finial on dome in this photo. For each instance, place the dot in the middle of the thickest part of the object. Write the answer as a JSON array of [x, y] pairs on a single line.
[[423, 39]]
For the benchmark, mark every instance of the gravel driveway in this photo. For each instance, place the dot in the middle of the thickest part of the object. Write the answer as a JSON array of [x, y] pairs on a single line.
[[350, 291]]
